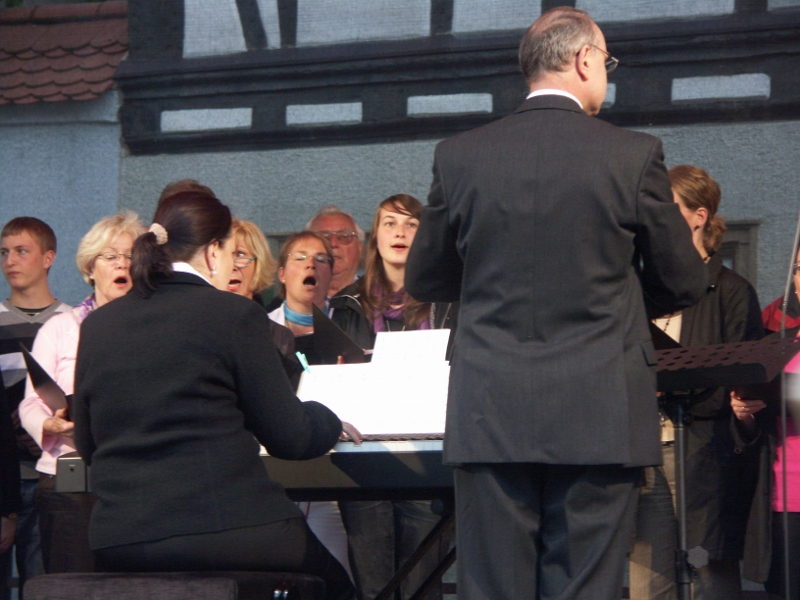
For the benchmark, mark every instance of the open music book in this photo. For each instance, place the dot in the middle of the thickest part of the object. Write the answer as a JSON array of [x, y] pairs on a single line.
[[402, 391]]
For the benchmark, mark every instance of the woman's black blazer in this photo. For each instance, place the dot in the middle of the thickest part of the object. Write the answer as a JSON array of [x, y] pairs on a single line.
[[172, 393]]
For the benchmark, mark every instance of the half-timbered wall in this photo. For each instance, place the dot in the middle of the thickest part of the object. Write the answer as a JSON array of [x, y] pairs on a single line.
[[282, 106]]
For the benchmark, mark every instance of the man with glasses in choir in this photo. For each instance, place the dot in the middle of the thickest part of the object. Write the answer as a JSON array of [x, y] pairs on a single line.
[[346, 239]]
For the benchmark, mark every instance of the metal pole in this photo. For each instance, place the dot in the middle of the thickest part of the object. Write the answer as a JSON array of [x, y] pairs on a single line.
[[683, 571]]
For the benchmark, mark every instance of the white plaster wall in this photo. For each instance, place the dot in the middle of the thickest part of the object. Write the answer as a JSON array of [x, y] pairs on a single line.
[[281, 189], [756, 167], [60, 162], [755, 164], [336, 21], [490, 15], [632, 10], [212, 27]]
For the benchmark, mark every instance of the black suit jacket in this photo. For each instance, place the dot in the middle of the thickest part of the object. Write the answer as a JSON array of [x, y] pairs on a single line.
[[171, 393], [552, 227], [10, 500]]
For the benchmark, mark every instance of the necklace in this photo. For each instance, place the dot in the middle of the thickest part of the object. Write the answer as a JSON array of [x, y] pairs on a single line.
[[666, 322]]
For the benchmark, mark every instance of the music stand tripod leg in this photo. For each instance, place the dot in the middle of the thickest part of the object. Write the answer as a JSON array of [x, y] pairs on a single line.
[[677, 409]]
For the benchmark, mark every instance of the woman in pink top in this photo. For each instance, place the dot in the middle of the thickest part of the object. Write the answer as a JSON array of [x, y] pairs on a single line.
[[764, 552], [103, 259]]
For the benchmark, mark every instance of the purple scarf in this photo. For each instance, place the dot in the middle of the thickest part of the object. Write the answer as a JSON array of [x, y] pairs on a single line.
[[84, 308], [393, 314]]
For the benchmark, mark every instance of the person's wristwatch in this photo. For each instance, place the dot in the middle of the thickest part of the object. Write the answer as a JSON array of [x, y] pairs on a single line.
[[11, 516]]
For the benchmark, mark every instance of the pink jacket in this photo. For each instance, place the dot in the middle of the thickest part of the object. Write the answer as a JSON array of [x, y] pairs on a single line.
[[55, 348]]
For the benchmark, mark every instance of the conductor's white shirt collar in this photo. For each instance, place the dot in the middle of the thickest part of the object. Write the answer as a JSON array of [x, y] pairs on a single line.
[[554, 92]]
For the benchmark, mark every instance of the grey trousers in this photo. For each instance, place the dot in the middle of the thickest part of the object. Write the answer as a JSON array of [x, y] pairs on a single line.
[[554, 532], [652, 564]]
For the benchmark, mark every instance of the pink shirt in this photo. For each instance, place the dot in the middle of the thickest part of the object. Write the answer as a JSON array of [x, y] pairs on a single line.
[[55, 348], [793, 462]]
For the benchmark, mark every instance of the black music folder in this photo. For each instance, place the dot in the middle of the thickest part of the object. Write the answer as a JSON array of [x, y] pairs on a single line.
[[47, 389], [330, 342], [661, 339]]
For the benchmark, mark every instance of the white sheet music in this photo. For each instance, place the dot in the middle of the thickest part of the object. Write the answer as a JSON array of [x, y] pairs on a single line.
[[414, 349], [403, 389]]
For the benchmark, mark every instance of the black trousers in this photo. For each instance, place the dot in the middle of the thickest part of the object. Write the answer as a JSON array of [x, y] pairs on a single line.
[[543, 531], [64, 526], [288, 546], [775, 583]]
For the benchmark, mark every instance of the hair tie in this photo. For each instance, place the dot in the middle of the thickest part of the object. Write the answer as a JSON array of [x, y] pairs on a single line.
[[160, 232]]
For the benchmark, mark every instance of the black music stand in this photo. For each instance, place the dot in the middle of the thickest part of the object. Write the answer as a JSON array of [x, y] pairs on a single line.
[[682, 372]]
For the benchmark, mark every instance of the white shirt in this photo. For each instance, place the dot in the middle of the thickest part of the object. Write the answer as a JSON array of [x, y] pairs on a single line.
[[182, 267], [554, 92]]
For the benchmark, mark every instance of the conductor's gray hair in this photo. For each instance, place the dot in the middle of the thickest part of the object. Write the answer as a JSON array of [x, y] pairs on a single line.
[[550, 44]]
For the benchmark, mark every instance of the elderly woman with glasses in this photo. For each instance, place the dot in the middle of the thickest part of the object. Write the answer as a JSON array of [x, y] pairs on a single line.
[[103, 258], [253, 265], [253, 272]]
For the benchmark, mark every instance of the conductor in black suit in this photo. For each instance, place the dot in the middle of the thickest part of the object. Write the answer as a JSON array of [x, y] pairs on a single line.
[[553, 229]]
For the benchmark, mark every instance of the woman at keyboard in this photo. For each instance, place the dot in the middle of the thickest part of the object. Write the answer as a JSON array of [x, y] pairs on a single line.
[[175, 385], [382, 535]]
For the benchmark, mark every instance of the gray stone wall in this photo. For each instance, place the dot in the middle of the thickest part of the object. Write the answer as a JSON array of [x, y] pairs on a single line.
[[755, 164], [60, 162]]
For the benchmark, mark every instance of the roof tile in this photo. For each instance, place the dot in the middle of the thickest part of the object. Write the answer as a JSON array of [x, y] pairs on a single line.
[[57, 52], [73, 88], [64, 12], [114, 7], [101, 88], [17, 92], [27, 100], [59, 97], [86, 50], [99, 75], [111, 33], [10, 66], [116, 49], [27, 55], [18, 38], [60, 52], [69, 36], [19, 14], [85, 96], [42, 63]]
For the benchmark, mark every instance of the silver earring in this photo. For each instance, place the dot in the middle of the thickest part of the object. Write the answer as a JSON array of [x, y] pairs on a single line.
[[213, 272]]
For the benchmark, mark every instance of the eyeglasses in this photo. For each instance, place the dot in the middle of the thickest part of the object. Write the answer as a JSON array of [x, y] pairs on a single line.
[[795, 268], [344, 237], [114, 257], [319, 257], [611, 62], [240, 261]]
